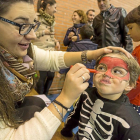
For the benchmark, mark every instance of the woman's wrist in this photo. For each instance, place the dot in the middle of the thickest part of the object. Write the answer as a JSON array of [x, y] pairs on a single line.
[[91, 55], [65, 100]]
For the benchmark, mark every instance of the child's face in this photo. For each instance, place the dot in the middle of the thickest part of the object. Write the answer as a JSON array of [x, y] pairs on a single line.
[[112, 77], [134, 31]]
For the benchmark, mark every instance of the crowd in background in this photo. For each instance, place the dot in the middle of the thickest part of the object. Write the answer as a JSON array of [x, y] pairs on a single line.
[[102, 108]]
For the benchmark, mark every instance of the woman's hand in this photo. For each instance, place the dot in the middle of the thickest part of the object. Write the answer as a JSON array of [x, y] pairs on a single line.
[[93, 55], [120, 49], [75, 83], [71, 34], [57, 46], [74, 38], [47, 32]]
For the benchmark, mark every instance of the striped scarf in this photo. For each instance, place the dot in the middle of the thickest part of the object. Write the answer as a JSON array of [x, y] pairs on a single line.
[[18, 77]]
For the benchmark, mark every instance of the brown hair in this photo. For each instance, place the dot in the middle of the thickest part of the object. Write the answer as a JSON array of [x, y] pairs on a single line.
[[89, 11], [86, 31], [133, 66], [81, 14], [43, 3], [8, 113], [133, 16]]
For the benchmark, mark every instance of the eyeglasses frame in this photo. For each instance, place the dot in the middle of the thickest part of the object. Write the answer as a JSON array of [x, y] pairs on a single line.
[[32, 26]]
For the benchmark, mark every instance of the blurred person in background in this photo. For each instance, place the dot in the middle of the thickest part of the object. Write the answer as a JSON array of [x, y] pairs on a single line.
[[46, 40], [90, 16]]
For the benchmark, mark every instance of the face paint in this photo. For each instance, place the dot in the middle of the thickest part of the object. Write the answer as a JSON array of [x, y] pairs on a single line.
[[111, 65]]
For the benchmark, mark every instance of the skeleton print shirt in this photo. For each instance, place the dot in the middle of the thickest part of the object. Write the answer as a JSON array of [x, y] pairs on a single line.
[[103, 119]]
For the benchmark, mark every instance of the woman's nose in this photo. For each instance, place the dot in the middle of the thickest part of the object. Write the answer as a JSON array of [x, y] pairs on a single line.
[[31, 35]]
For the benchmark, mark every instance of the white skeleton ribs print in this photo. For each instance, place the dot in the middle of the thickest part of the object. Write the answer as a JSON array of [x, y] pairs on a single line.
[[103, 119], [93, 122]]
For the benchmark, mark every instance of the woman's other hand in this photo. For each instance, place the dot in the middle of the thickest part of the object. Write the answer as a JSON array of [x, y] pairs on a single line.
[[47, 32], [74, 38], [71, 34], [75, 83], [93, 55], [57, 46]]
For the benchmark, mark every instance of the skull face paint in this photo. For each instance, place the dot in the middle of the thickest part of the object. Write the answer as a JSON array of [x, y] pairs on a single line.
[[113, 68]]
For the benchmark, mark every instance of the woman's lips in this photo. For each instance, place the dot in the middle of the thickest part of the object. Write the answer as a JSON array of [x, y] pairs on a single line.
[[24, 46]]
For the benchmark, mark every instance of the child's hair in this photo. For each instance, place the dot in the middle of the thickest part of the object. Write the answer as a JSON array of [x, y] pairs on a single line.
[[81, 14], [133, 66], [43, 3], [86, 31], [133, 16], [6, 4]]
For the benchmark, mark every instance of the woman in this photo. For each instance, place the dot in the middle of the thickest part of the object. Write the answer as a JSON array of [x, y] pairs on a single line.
[[46, 40], [72, 34], [17, 55]]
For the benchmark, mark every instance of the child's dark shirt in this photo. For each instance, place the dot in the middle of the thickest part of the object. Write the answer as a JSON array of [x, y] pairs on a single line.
[[103, 119]]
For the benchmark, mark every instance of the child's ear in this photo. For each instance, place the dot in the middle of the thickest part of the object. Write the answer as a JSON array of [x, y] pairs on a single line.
[[129, 87]]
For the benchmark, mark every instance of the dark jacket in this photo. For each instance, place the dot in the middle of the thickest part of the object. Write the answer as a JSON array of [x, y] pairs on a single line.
[[110, 29], [99, 118], [76, 30]]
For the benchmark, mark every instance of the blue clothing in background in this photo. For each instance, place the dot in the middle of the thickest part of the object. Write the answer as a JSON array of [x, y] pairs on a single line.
[[85, 44], [76, 30]]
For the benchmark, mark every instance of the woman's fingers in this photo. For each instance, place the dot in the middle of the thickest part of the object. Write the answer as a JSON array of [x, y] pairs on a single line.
[[78, 69], [95, 54], [120, 49], [76, 81]]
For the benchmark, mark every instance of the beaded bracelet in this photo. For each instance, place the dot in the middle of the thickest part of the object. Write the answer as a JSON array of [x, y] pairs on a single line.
[[61, 114], [67, 109], [84, 57]]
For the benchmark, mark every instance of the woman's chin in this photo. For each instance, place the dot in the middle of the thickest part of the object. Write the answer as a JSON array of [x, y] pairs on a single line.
[[22, 54]]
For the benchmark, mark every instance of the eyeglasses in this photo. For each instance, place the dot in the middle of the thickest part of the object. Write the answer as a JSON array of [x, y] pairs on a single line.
[[24, 29]]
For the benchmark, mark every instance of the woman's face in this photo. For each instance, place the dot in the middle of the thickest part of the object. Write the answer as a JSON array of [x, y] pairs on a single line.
[[76, 18], [10, 39], [51, 9]]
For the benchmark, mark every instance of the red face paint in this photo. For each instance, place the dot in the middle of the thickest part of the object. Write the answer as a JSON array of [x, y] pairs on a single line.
[[111, 63]]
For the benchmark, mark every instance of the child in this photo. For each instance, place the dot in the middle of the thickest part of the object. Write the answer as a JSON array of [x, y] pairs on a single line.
[[86, 32], [104, 112], [132, 21]]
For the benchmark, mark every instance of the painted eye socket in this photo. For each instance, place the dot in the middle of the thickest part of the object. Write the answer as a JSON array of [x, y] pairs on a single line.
[[120, 72], [116, 71], [101, 68]]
